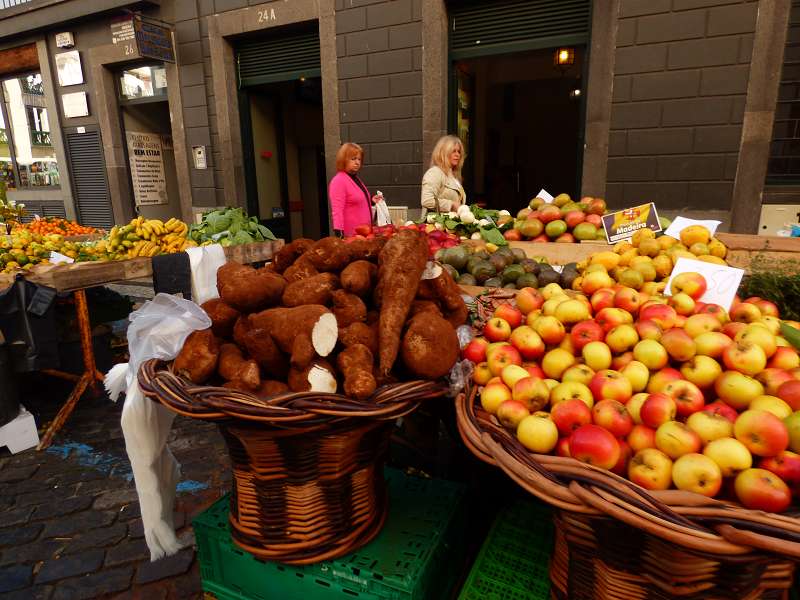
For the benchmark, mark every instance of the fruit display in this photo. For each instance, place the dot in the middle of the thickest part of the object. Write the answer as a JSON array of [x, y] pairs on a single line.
[[668, 392], [228, 227], [54, 225], [562, 220], [329, 316], [435, 238], [23, 250], [645, 262], [143, 237]]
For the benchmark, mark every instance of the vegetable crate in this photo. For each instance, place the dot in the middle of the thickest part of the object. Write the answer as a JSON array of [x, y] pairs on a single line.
[[416, 556], [513, 561]]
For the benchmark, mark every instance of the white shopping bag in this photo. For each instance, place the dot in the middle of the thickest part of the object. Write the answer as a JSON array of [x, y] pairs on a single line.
[[157, 330], [382, 216]]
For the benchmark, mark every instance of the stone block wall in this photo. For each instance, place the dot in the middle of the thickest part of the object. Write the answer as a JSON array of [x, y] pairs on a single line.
[[379, 48], [681, 73]]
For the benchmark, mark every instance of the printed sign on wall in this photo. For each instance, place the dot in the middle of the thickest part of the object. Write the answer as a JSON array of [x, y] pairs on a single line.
[[147, 168]]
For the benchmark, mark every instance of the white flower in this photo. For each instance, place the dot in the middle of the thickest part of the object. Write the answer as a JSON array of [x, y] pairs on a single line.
[[407, 223], [430, 218], [468, 218], [475, 236], [503, 213], [484, 222]]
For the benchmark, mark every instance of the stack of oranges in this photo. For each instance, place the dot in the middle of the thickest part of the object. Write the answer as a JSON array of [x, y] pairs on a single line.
[[50, 225]]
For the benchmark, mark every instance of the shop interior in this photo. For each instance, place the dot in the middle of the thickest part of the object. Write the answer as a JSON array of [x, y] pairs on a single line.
[[520, 117], [282, 136]]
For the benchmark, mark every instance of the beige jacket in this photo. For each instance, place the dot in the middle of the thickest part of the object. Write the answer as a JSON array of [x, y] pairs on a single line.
[[439, 187]]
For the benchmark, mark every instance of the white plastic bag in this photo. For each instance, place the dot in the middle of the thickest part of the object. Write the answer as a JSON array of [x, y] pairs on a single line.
[[157, 330], [204, 262], [382, 215]]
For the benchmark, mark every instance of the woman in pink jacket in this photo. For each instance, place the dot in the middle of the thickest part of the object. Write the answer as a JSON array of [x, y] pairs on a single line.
[[349, 197]]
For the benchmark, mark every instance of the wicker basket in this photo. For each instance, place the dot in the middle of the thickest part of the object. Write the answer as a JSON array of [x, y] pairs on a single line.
[[307, 468], [616, 540]]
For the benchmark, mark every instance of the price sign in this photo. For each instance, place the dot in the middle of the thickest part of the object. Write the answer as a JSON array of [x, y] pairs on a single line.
[[544, 195], [681, 223], [621, 225], [722, 281], [57, 258]]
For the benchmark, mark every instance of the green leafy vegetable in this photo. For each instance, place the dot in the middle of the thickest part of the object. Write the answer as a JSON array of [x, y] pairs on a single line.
[[492, 235], [230, 226]]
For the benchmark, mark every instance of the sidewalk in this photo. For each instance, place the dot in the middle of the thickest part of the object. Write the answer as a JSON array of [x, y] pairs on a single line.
[[69, 515]]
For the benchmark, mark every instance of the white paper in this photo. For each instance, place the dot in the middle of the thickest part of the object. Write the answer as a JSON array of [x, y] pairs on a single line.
[[75, 105], [147, 168], [57, 258], [681, 223], [722, 281], [68, 65], [545, 196]]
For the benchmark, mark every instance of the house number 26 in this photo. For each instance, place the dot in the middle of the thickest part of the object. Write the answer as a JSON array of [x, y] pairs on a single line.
[[268, 14]]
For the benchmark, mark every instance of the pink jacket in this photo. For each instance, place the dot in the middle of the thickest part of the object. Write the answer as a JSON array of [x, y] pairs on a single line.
[[349, 207]]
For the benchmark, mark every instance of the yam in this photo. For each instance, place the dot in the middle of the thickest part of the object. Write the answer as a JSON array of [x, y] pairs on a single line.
[[263, 349], [348, 308], [301, 269], [271, 388], [302, 351], [316, 377], [457, 316], [229, 272], [446, 291], [359, 277], [355, 364], [430, 346], [360, 333], [366, 249], [234, 367], [287, 255], [240, 330], [329, 254], [400, 266], [198, 358], [247, 289], [430, 306], [285, 324], [223, 317], [313, 290]]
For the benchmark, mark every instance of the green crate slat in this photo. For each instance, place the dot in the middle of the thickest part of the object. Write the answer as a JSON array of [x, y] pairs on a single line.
[[415, 557], [513, 562]]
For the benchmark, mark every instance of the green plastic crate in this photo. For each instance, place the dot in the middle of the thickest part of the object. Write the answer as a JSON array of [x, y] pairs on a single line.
[[513, 562], [416, 556]]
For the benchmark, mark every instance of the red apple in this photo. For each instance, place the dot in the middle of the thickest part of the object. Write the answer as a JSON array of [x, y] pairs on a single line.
[[529, 299], [772, 379], [785, 465], [550, 329], [497, 330], [619, 362], [574, 218], [608, 318], [612, 415], [687, 396], [511, 412], [610, 385], [660, 379], [475, 350], [692, 284], [789, 392], [594, 445], [649, 330], [657, 410], [678, 344], [602, 298], [641, 437], [732, 328], [628, 299], [625, 455], [500, 357], [784, 358], [569, 415], [527, 341], [584, 332], [595, 220], [718, 407], [715, 310], [562, 447], [763, 433], [760, 489], [767, 308], [597, 207], [511, 315], [745, 313], [662, 314], [534, 370]]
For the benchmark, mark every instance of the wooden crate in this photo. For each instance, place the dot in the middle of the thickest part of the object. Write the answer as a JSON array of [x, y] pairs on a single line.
[[75, 276]]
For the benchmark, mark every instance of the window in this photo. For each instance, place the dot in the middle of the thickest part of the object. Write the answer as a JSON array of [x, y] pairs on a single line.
[[27, 156], [784, 154], [143, 82]]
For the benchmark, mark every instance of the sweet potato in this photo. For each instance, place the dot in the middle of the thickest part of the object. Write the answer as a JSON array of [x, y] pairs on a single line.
[[419, 306], [359, 277], [247, 289], [223, 317], [400, 265], [313, 290], [329, 254], [240, 330], [360, 333], [355, 364], [430, 346], [302, 351], [198, 358], [316, 377], [263, 349], [301, 269], [348, 308], [230, 271], [287, 255], [271, 388], [285, 324], [366, 249], [234, 367], [457, 316]]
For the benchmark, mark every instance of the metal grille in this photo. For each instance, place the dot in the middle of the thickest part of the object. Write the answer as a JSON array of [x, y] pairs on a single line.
[[784, 154], [478, 29], [278, 58], [89, 182]]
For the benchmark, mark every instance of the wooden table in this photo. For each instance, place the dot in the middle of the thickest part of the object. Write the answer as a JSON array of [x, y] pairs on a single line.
[[77, 278]]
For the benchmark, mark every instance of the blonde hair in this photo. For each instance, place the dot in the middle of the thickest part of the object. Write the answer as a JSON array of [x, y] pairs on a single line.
[[347, 151], [440, 157]]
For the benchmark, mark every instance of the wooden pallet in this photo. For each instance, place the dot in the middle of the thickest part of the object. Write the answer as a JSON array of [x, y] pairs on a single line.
[[761, 252], [75, 276]]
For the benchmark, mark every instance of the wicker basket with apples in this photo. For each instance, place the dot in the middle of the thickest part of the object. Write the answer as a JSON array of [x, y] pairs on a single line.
[[666, 430]]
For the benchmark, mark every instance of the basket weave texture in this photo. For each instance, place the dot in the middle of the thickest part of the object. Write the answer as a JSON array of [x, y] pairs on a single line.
[[308, 480], [616, 540]]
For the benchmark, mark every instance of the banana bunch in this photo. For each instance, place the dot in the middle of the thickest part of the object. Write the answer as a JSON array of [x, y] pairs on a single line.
[[148, 237]]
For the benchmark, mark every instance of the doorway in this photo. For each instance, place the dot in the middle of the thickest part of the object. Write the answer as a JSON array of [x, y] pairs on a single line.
[[521, 119], [282, 135]]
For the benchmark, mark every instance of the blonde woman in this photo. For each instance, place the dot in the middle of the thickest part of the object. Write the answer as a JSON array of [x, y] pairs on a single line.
[[441, 185]]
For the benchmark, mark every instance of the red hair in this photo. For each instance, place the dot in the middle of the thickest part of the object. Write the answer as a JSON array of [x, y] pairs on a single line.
[[347, 151]]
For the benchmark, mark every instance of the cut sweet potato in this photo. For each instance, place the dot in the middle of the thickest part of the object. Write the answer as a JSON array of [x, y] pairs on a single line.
[[234, 367], [355, 364], [313, 290], [430, 346], [247, 289], [348, 308], [316, 377], [285, 324], [359, 277], [329, 254], [198, 358], [400, 265], [223, 317]]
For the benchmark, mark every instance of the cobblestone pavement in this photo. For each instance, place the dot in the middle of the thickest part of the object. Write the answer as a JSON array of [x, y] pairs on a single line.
[[70, 525]]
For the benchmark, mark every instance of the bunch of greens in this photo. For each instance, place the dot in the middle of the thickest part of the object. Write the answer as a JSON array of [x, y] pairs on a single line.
[[229, 227], [484, 222]]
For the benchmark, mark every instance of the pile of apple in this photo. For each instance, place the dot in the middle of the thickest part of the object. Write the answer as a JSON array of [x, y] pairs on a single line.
[[437, 240], [562, 220], [666, 391]]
